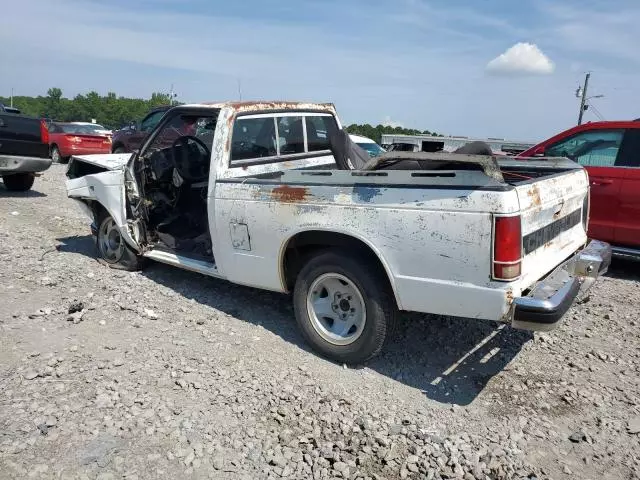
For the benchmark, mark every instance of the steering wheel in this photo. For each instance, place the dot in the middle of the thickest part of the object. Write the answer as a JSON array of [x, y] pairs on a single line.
[[187, 168]]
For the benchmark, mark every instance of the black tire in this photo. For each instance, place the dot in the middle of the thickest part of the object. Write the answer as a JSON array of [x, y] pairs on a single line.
[[56, 156], [19, 182], [380, 306], [124, 257], [119, 149]]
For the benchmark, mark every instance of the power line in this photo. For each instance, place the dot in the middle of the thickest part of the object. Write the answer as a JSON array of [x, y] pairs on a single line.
[[596, 112]]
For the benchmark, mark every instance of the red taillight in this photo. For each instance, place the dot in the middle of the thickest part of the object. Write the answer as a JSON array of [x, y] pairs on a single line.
[[507, 248], [44, 132]]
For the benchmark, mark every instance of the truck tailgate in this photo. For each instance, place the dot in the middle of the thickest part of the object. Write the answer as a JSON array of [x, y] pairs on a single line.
[[553, 214]]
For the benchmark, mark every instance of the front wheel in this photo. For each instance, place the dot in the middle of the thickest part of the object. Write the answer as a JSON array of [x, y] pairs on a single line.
[[113, 251], [344, 306], [119, 149], [19, 182]]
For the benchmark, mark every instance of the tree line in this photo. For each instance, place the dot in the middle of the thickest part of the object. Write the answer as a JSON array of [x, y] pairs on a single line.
[[108, 110], [375, 133], [114, 112]]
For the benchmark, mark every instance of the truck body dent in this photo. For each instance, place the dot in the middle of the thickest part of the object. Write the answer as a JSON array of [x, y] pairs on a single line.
[[107, 190]]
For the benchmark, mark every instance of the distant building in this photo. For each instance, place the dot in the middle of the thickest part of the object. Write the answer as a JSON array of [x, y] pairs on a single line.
[[430, 143]]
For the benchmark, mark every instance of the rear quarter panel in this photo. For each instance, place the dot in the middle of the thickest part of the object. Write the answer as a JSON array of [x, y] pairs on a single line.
[[429, 240]]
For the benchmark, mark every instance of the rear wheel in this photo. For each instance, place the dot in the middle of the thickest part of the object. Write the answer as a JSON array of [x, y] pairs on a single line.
[[19, 182], [344, 306], [55, 154], [119, 149], [113, 251]]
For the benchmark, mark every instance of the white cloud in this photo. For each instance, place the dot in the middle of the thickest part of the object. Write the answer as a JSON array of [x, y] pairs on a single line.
[[521, 59], [387, 122]]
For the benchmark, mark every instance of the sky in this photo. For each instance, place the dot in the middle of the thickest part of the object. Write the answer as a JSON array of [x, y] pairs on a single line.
[[496, 68]]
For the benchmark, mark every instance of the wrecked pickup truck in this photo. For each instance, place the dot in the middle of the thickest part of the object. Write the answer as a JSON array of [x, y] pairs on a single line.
[[274, 196]]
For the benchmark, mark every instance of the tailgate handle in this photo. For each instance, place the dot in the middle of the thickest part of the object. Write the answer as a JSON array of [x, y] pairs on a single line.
[[601, 182]]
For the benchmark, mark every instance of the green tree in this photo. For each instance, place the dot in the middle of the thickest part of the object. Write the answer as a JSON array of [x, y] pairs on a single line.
[[375, 133], [53, 102], [109, 110]]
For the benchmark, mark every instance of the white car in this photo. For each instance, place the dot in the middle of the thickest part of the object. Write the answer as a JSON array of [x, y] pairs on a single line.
[[261, 194], [372, 148]]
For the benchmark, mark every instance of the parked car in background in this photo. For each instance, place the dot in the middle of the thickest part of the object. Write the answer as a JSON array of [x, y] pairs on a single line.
[[66, 139], [129, 138], [24, 150], [7, 109], [610, 152], [372, 148], [95, 127], [277, 199]]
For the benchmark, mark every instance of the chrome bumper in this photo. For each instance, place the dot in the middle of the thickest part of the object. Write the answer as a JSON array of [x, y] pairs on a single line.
[[548, 301], [16, 164]]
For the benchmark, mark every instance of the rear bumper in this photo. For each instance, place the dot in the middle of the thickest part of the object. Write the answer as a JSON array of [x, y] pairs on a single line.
[[84, 150], [550, 298], [626, 253], [15, 164]]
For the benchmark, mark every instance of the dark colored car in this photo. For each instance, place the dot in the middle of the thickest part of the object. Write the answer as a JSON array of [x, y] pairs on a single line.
[[610, 152], [7, 109], [130, 138], [24, 150]]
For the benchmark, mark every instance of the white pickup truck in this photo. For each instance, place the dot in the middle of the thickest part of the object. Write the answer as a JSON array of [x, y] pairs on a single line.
[[275, 196]]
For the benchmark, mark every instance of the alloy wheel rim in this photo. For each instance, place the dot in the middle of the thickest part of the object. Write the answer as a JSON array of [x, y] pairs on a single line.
[[110, 241], [336, 309]]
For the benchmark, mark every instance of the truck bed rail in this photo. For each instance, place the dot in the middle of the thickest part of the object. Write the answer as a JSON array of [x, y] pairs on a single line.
[[490, 165]]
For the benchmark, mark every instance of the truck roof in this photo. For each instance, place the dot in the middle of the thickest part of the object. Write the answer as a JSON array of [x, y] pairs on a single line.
[[264, 105]]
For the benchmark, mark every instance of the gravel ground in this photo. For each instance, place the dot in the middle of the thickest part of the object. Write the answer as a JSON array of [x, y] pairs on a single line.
[[169, 374]]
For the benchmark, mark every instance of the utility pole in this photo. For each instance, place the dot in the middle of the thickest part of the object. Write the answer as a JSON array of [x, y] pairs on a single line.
[[583, 97], [11, 98], [172, 95]]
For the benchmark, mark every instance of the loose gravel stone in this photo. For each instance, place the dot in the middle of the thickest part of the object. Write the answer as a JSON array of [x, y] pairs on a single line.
[[240, 396]]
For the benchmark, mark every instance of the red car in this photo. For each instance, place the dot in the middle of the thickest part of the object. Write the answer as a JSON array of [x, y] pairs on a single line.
[[66, 139], [610, 152]]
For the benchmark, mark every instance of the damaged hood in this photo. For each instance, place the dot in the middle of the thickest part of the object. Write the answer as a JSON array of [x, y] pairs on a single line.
[[110, 161]]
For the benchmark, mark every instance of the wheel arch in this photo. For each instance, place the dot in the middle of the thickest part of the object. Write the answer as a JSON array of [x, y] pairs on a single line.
[[94, 208], [303, 242]]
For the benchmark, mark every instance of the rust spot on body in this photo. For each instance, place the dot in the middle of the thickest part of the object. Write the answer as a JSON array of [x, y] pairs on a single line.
[[510, 296], [266, 105], [534, 194], [288, 194]]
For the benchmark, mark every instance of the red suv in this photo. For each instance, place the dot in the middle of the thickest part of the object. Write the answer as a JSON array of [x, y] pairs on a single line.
[[610, 152]]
